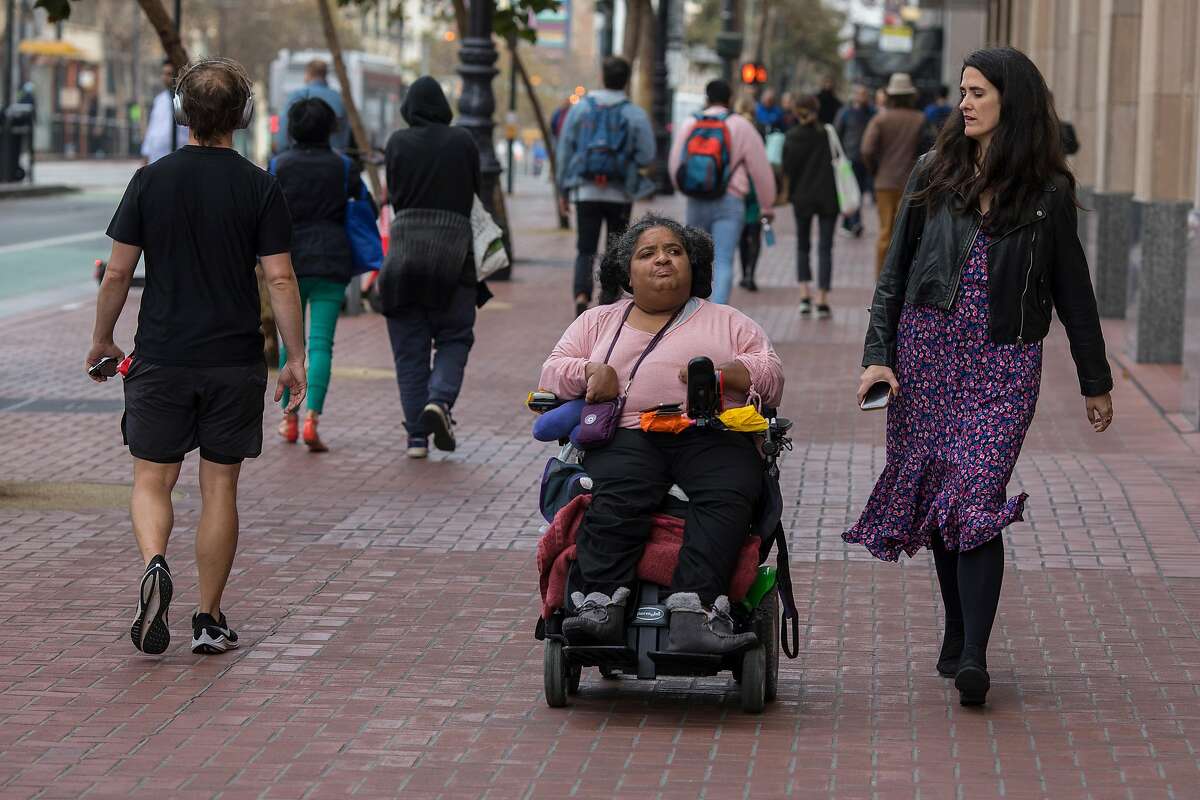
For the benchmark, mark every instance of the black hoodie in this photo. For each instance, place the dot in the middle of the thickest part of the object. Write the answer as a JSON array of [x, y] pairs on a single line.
[[430, 164]]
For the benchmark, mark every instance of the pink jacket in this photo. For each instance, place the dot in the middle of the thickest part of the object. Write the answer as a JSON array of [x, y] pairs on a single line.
[[747, 153], [720, 332]]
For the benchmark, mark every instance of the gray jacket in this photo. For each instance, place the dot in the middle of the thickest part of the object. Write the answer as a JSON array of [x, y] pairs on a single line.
[[641, 135]]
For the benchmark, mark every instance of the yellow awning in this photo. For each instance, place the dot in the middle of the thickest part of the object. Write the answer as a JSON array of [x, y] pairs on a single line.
[[51, 47]]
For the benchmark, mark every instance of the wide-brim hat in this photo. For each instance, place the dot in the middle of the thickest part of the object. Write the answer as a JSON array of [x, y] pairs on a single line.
[[900, 83]]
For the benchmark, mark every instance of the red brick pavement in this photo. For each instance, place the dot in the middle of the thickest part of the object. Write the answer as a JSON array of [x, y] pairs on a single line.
[[387, 606]]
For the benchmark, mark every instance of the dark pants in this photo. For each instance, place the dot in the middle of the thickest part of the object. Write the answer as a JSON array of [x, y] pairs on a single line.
[[749, 248], [854, 221], [589, 217], [721, 473], [449, 333], [970, 584], [826, 225]]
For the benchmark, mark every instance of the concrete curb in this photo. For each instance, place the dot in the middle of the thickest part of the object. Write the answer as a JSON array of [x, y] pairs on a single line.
[[23, 190]]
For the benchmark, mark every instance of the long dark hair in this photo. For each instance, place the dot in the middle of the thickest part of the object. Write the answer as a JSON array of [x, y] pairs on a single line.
[[1025, 152]]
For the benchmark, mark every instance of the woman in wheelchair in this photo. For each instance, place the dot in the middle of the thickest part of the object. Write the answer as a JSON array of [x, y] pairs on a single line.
[[667, 268]]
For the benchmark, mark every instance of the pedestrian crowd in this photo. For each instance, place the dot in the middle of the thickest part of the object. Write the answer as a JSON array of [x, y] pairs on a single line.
[[977, 248]]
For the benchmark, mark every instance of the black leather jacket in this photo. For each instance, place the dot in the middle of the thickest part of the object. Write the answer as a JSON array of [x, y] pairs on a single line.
[[1033, 266]]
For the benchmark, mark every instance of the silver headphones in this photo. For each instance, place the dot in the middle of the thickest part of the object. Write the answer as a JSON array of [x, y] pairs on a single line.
[[232, 66]]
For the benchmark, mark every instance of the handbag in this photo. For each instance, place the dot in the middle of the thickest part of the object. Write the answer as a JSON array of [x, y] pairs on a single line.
[[362, 229], [848, 194], [488, 241], [598, 421], [774, 147]]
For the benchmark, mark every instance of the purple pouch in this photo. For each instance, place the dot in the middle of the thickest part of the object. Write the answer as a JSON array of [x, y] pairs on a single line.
[[597, 423]]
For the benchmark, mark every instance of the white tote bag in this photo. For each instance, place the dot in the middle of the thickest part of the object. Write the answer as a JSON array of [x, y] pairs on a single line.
[[490, 255], [848, 194]]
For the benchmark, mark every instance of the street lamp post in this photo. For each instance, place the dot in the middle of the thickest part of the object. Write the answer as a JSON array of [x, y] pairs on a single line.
[[729, 40], [605, 9], [477, 104], [660, 108]]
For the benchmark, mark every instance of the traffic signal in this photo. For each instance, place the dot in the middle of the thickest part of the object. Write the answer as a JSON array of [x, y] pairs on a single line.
[[753, 73]]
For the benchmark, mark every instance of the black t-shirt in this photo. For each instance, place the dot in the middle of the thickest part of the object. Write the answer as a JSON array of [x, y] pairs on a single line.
[[202, 216]]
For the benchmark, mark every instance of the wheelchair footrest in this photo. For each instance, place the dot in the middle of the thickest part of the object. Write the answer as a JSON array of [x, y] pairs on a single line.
[[601, 655], [672, 663]]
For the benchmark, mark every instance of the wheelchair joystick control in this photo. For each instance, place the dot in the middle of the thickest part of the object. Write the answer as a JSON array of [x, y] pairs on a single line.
[[702, 399]]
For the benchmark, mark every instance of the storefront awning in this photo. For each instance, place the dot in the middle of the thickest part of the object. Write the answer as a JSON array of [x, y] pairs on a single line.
[[52, 47]]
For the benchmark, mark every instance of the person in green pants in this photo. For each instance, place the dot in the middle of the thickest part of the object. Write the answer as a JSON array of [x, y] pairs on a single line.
[[316, 181]]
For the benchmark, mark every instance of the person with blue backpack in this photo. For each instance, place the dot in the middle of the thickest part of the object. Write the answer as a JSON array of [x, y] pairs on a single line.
[[716, 160], [604, 143], [321, 186]]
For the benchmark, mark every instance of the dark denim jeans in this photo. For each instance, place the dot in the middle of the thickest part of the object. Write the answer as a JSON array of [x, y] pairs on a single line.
[[445, 334]]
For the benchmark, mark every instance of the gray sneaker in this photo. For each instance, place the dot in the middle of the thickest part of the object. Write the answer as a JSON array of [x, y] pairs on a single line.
[[695, 629], [599, 619]]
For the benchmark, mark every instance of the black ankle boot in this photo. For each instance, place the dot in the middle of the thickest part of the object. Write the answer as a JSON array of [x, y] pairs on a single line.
[[952, 647], [972, 679]]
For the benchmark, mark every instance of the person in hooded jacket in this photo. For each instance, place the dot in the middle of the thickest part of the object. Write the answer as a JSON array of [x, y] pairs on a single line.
[[316, 182], [428, 287]]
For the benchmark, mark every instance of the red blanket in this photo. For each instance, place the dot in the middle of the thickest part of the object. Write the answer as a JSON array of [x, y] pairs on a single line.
[[556, 550]]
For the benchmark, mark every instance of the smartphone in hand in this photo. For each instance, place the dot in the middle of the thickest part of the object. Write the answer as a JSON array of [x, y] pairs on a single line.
[[877, 396], [104, 368]]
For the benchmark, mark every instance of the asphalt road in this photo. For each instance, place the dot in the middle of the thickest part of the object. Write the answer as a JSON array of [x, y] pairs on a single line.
[[48, 246]]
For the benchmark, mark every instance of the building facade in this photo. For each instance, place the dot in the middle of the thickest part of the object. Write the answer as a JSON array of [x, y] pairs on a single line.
[[1126, 73]]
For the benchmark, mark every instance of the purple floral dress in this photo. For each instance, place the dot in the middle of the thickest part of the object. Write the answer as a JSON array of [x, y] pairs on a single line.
[[956, 428]]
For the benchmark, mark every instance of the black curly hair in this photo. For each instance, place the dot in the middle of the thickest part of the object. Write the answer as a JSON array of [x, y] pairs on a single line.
[[614, 268]]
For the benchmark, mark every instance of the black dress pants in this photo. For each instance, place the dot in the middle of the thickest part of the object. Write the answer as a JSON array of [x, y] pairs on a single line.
[[721, 473], [589, 217]]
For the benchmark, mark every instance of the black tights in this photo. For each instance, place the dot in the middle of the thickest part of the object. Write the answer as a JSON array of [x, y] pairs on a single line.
[[749, 247], [970, 584]]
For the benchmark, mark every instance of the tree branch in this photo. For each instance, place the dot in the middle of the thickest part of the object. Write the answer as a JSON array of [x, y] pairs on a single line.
[[356, 126], [563, 222], [164, 26]]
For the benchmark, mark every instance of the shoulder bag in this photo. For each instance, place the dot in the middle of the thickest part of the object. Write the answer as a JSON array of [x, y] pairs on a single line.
[[599, 421], [848, 194]]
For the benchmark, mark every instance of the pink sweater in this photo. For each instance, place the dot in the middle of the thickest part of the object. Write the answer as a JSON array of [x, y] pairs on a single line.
[[720, 332], [747, 153]]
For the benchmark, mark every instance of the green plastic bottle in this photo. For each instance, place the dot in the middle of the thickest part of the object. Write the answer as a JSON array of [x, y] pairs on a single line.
[[763, 583]]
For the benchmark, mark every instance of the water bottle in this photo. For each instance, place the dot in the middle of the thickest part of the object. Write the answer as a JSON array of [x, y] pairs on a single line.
[[768, 232]]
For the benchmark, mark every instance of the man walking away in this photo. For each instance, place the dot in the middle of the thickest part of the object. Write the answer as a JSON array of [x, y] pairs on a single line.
[[890, 147], [938, 112], [716, 158], [829, 102], [604, 141], [427, 285], [851, 124], [157, 141], [316, 84], [196, 378]]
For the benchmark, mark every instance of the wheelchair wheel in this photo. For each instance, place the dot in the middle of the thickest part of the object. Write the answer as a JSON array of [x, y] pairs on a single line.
[[574, 673], [554, 674], [754, 680], [766, 625]]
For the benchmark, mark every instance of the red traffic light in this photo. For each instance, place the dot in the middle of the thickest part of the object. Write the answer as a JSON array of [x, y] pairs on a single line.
[[760, 74], [749, 73]]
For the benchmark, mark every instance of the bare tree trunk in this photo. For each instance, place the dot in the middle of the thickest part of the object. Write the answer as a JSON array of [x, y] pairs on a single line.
[[460, 18], [633, 27], [164, 26], [563, 222], [643, 88], [356, 125]]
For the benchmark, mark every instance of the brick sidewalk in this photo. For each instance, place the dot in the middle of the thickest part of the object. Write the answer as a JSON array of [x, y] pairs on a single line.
[[387, 606]]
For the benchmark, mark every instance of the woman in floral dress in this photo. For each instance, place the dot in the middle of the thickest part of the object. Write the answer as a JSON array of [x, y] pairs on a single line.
[[984, 247]]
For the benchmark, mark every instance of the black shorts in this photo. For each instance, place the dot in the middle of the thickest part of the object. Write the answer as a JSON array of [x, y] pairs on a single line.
[[171, 410]]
